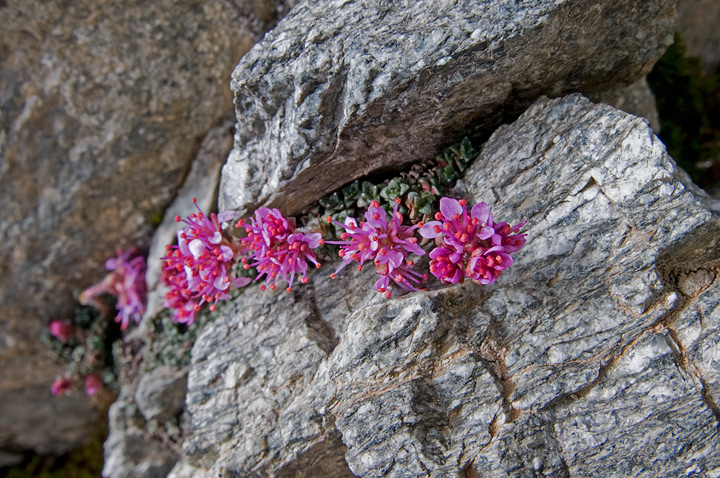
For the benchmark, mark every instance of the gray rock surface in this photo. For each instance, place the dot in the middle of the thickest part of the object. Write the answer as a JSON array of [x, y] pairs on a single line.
[[596, 354], [341, 89], [160, 394], [102, 107], [129, 450]]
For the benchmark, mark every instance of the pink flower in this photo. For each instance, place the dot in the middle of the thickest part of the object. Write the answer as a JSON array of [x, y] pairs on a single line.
[[275, 249], [62, 330], [61, 386], [126, 281], [198, 269], [385, 243], [470, 245], [93, 384]]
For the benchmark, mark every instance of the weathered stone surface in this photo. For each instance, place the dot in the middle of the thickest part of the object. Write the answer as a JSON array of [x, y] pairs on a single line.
[[102, 107], [594, 355], [160, 394], [129, 452], [341, 89], [698, 22], [636, 99]]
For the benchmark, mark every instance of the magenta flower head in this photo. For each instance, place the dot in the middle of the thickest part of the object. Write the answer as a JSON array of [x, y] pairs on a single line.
[[62, 330], [61, 386], [93, 384], [276, 249], [126, 281], [470, 245], [198, 269], [385, 243]]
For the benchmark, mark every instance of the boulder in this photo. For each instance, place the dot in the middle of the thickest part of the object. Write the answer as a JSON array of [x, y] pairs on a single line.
[[595, 354], [102, 108], [340, 90]]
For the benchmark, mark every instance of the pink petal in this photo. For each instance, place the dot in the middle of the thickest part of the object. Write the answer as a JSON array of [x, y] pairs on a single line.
[[449, 207], [428, 230], [481, 212]]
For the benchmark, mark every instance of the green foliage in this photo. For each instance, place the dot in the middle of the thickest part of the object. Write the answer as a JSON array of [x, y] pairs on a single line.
[[169, 343], [688, 101], [419, 190]]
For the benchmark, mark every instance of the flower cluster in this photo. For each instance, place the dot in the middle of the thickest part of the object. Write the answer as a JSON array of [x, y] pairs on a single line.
[[385, 243], [470, 245], [276, 249], [126, 282], [197, 270]]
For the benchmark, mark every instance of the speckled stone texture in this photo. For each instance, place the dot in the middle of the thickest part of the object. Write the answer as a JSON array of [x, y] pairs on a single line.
[[103, 105], [596, 354], [342, 89]]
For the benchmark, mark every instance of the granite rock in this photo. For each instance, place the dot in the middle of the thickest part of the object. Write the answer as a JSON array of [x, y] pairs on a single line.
[[102, 107], [342, 89], [594, 355]]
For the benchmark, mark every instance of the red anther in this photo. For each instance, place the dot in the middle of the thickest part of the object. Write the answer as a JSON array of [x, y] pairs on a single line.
[[374, 238], [304, 280], [317, 266], [398, 200], [382, 289], [375, 204], [376, 216], [438, 215], [474, 221], [196, 307], [399, 278], [383, 251], [359, 267], [387, 294], [463, 202], [446, 226], [178, 219], [456, 217], [328, 219], [168, 247], [321, 241], [332, 276], [262, 287], [436, 228], [272, 286], [352, 226], [361, 247], [341, 253], [289, 289], [411, 263], [195, 200], [425, 277], [343, 236], [464, 238], [420, 224], [212, 308]]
